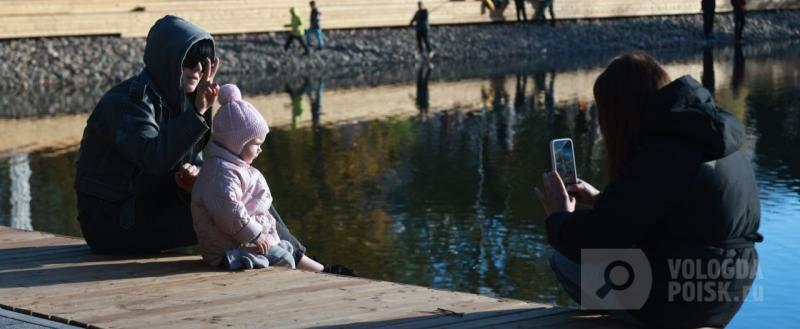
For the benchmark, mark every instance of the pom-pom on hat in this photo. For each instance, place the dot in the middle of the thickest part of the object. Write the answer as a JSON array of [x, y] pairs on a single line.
[[237, 122]]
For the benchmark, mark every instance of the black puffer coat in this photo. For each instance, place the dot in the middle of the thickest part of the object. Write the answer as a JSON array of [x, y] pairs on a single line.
[[689, 194]]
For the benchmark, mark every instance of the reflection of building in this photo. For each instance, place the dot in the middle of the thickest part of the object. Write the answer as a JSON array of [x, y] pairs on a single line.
[[19, 173]]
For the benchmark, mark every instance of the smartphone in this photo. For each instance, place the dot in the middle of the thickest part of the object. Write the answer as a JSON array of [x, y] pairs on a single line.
[[562, 156]]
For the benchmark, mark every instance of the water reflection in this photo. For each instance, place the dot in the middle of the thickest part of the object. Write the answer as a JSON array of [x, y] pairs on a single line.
[[423, 100], [708, 69], [737, 76], [299, 104], [19, 194], [439, 194], [315, 98]]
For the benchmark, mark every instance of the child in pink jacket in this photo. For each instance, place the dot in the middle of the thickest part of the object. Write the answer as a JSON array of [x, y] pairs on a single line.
[[231, 199]]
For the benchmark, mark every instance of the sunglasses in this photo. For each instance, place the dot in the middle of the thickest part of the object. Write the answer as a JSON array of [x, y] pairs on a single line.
[[192, 61]]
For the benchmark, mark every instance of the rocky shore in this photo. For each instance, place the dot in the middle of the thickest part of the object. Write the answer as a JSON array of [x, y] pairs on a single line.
[[87, 66]]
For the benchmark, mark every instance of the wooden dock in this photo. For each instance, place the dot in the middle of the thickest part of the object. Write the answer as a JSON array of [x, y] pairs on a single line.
[[59, 279]]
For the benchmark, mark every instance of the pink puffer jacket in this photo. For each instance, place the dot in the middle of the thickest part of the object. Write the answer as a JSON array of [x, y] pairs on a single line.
[[230, 205]]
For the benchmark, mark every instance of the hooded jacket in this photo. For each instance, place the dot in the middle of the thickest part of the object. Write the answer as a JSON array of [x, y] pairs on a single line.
[[230, 205], [297, 24], [145, 127], [689, 193]]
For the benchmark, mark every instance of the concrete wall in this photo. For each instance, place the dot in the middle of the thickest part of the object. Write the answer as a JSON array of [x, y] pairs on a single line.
[[133, 18]]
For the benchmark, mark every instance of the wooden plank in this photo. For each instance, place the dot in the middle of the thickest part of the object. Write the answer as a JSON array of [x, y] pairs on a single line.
[[409, 315], [181, 292], [44, 241], [104, 291], [257, 309], [444, 319], [568, 320], [41, 253], [153, 314]]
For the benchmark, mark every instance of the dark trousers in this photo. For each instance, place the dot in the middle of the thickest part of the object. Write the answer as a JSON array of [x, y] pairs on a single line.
[[521, 15], [292, 38], [708, 22], [545, 5], [422, 35], [161, 223], [738, 21]]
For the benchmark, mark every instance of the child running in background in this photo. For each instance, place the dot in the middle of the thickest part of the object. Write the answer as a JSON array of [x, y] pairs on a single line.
[[231, 198]]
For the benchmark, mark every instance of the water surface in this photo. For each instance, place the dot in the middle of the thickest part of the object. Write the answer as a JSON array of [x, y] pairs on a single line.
[[431, 182]]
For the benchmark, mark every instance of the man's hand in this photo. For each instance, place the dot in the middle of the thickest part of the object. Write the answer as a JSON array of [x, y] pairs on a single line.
[[186, 176], [207, 90]]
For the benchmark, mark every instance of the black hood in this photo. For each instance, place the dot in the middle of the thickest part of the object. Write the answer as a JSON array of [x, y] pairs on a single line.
[[168, 41], [683, 111]]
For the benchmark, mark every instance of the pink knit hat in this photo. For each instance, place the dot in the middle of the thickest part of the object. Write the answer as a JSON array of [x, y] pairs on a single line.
[[237, 122]]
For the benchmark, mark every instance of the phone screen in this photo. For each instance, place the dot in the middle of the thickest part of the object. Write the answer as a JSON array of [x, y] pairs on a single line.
[[564, 160]]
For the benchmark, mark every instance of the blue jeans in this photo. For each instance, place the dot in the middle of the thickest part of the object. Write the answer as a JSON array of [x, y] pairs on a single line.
[[568, 273], [318, 34]]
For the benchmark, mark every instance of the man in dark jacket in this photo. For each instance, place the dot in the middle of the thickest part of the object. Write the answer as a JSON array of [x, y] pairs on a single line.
[[709, 8], [688, 195], [316, 27], [141, 148], [422, 27], [738, 17]]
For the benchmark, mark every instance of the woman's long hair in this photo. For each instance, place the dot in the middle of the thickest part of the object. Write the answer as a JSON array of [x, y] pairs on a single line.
[[621, 93]]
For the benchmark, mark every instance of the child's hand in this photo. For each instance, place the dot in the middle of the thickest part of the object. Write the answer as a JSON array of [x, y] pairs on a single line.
[[260, 246]]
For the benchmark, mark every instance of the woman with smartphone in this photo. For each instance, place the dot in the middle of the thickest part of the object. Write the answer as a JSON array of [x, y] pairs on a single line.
[[680, 190]]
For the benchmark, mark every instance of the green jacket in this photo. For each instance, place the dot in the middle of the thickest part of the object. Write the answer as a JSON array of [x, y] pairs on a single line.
[[297, 24]]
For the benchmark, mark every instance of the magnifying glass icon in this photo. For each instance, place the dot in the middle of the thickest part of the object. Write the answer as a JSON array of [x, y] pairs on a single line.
[[606, 288]]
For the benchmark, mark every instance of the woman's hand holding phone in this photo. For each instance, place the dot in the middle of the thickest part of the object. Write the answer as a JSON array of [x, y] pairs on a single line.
[[585, 194], [555, 198]]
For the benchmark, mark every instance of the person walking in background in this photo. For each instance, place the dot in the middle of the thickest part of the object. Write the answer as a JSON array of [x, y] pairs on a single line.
[[545, 5], [709, 7], [738, 17], [422, 25], [521, 15], [316, 28], [297, 32]]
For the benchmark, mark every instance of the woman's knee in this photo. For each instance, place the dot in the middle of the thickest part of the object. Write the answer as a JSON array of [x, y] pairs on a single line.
[[568, 275]]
